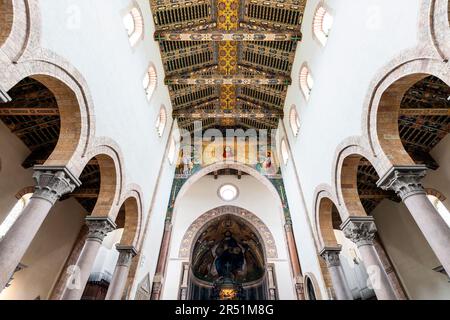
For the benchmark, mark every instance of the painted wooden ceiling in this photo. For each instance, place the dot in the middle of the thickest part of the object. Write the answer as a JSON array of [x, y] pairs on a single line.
[[228, 63]]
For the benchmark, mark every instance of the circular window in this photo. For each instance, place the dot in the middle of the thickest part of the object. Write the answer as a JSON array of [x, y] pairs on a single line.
[[228, 192]]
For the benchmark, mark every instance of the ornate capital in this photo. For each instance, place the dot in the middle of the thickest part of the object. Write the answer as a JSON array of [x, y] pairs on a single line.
[[99, 228], [331, 256], [53, 182], [361, 230], [404, 180], [126, 254]]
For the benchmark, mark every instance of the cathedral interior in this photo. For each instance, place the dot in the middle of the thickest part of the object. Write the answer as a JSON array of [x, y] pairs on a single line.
[[224, 150]]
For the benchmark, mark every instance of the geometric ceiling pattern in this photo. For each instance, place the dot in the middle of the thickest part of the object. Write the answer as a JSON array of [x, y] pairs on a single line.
[[228, 63]]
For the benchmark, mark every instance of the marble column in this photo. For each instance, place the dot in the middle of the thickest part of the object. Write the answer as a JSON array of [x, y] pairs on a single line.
[[98, 229], [162, 262], [295, 262], [120, 276], [331, 257], [51, 184], [406, 182], [362, 231]]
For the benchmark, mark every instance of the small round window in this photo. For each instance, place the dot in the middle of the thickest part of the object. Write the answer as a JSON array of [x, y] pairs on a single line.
[[228, 192]]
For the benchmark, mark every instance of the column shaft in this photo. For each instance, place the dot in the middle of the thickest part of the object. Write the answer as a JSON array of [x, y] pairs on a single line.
[[51, 184], [362, 230], [162, 261], [19, 237], [98, 229], [432, 225], [295, 262], [379, 279], [120, 277], [406, 182], [340, 285]]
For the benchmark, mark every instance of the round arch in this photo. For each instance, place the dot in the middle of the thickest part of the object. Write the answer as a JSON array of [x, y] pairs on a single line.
[[227, 165], [324, 202], [132, 203], [260, 228], [6, 19], [74, 105], [383, 104]]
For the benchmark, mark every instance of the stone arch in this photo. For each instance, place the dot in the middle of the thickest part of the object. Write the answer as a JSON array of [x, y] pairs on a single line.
[[324, 201], [132, 203], [436, 193], [6, 19], [345, 175], [228, 165], [20, 23], [74, 104], [383, 105], [24, 191], [439, 25], [312, 278], [110, 163], [260, 227]]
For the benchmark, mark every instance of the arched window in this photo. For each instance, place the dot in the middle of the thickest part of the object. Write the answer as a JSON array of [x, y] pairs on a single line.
[[171, 154], [306, 81], [310, 291], [14, 214], [440, 207], [149, 82], [284, 151], [294, 120], [323, 21], [161, 121], [134, 24]]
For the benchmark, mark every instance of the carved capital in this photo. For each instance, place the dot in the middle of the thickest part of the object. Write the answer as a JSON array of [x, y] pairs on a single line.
[[99, 228], [331, 256], [404, 180], [361, 230], [53, 182], [126, 255]]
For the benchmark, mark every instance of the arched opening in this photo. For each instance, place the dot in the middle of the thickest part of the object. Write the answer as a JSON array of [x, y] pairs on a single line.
[[6, 19], [409, 262], [133, 22], [126, 235], [228, 262], [310, 290], [331, 237], [413, 118]]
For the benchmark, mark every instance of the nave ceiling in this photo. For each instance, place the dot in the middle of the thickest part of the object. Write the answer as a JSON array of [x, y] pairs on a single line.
[[228, 63]]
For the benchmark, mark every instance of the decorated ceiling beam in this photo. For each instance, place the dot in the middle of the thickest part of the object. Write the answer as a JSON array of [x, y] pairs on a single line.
[[423, 112], [237, 79], [29, 112], [238, 35], [229, 115]]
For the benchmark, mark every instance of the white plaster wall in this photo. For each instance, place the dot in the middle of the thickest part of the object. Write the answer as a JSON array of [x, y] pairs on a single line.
[[255, 197], [91, 36], [410, 253], [301, 222], [366, 35], [152, 243]]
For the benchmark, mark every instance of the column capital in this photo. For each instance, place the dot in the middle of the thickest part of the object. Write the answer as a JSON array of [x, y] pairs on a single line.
[[99, 228], [331, 256], [361, 230], [126, 254], [404, 180], [52, 182]]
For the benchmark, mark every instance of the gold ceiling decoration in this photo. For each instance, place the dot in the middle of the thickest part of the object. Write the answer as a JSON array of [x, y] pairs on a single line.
[[230, 58]]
